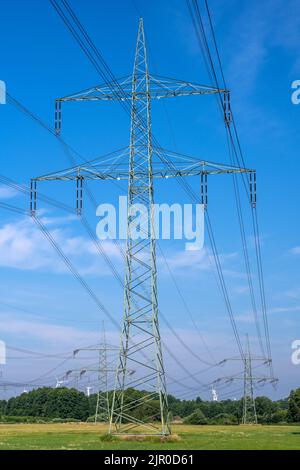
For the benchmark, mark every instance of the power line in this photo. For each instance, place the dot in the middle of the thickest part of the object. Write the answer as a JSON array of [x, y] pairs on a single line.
[[117, 92], [69, 148], [198, 25], [85, 285], [253, 207], [97, 243]]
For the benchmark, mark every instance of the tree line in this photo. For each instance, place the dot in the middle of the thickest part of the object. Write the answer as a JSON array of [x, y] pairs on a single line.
[[59, 404]]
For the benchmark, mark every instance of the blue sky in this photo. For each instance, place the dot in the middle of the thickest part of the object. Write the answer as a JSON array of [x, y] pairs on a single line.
[[41, 306]]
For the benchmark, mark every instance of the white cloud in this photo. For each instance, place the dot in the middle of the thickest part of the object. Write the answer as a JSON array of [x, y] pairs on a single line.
[[190, 262], [7, 193], [285, 309], [274, 23], [196, 260], [51, 335], [23, 246], [295, 250], [46, 332], [248, 317], [240, 290], [293, 293]]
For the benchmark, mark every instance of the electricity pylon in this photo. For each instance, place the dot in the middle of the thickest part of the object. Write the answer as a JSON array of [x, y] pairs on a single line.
[[249, 408], [249, 381], [102, 403], [102, 394], [140, 347]]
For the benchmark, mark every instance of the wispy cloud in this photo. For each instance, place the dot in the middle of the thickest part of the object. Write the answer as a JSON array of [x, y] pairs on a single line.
[[258, 27], [47, 332], [251, 52], [190, 262], [247, 317], [295, 309], [23, 246], [293, 293], [272, 23], [196, 260], [7, 193], [295, 250], [240, 290]]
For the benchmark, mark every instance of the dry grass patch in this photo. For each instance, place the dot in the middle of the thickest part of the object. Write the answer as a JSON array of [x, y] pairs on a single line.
[[140, 438]]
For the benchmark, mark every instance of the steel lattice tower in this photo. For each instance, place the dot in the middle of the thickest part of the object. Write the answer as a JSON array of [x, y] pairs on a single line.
[[140, 291], [249, 408], [102, 404], [140, 364], [249, 381]]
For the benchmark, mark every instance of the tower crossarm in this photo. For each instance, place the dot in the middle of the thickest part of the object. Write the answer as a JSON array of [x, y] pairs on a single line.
[[120, 89], [164, 87], [254, 357], [159, 87], [100, 348], [161, 169], [107, 369], [258, 379]]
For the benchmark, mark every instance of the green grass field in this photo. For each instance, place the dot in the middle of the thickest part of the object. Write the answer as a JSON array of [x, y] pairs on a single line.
[[88, 436]]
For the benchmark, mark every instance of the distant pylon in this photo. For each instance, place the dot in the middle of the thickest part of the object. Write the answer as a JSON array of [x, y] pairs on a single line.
[[249, 408], [248, 379], [102, 395], [102, 369]]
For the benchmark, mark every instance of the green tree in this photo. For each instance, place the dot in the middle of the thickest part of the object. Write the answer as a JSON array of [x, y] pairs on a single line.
[[280, 416], [224, 418], [196, 418], [265, 408], [294, 406], [48, 402]]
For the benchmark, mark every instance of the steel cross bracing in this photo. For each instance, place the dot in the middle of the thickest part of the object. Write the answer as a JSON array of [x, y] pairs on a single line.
[[140, 337]]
